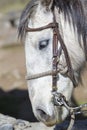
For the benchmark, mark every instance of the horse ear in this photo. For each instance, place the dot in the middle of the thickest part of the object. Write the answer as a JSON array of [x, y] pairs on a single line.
[[47, 3]]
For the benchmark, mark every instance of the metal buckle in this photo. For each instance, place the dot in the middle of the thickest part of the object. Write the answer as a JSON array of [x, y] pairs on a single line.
[[57, 98]]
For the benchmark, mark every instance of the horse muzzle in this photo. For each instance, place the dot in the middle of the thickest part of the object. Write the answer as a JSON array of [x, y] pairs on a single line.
[[49, 117]]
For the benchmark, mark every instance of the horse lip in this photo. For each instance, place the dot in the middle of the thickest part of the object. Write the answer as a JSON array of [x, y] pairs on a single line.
[[51, 121], [55, 119], [50, 124], [48, 119]]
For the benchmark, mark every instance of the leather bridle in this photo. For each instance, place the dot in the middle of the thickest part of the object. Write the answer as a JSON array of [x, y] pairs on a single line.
[[56, 54]]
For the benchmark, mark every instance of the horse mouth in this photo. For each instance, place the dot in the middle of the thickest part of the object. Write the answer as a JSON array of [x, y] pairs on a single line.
[[50, 120]]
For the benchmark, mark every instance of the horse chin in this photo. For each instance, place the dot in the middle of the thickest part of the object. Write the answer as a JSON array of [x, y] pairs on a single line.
[[52, 123]]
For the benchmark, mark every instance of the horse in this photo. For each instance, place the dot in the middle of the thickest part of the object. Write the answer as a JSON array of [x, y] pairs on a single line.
[[36, 28]]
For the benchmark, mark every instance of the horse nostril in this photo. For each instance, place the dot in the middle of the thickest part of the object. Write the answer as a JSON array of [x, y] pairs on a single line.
[[42, 114]]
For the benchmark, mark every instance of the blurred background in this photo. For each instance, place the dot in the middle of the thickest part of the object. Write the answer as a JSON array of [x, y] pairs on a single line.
[[12, 64], [14, 99]]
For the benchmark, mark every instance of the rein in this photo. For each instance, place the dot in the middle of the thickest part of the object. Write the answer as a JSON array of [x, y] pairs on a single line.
[[58, 99]]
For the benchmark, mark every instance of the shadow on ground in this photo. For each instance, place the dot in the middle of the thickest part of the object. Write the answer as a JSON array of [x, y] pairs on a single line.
[[16, 103]]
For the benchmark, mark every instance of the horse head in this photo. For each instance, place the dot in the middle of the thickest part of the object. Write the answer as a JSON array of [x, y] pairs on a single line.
[[38, 53]]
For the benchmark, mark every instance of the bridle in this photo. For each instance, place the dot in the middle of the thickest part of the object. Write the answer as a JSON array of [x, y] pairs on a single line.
[[58, 98], [56, 54]]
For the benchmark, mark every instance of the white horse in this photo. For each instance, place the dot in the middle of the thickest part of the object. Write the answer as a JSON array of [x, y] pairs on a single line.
[[38, 52]]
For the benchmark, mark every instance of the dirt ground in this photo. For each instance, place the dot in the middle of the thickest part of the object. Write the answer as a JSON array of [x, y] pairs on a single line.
[[13, 71]]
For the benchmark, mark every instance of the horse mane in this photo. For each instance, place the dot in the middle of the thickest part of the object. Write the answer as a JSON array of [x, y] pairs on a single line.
[[70, 8]]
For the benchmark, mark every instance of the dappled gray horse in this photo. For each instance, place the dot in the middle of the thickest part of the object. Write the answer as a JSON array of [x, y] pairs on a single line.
[[37, 28]]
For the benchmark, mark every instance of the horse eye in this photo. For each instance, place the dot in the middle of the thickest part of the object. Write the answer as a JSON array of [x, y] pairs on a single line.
[[43, 44]]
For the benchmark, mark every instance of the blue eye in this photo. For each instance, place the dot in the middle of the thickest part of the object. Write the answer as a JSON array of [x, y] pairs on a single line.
[[43, 44]]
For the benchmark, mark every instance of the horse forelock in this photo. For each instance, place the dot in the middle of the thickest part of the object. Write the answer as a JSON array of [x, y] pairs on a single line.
[[70, 8], [26, 14]]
